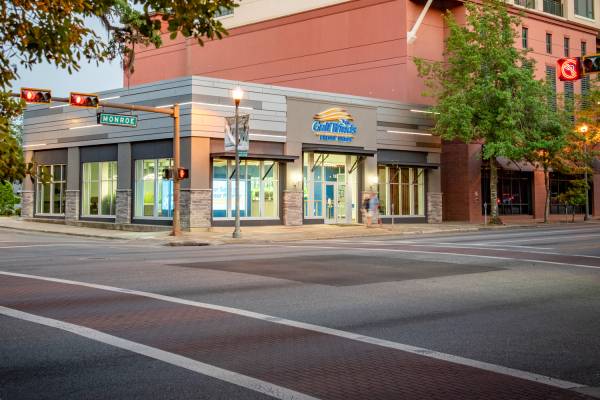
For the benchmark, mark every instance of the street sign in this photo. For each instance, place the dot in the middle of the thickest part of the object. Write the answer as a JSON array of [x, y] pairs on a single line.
[[129, 121]]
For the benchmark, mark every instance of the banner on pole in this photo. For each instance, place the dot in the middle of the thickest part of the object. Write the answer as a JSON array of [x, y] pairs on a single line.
[[244, 131]]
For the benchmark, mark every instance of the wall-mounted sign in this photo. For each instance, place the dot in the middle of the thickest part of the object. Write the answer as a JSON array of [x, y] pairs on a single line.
[[129, 121], [244, 132], [334, 124]]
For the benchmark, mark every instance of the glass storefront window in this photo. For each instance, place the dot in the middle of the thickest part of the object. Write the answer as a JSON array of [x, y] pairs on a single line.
[[401, 190], [514, 191], [559, 184], [259, 189], [99, 188], [51, 188], [153, 194]]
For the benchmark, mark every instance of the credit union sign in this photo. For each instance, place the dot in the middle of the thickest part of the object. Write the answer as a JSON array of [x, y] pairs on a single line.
[[334, 124]]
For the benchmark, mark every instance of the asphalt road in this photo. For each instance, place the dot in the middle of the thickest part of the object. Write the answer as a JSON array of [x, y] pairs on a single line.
[[353, 318]]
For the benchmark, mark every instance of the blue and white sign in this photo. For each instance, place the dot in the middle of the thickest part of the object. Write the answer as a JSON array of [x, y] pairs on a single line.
[[335, 125]]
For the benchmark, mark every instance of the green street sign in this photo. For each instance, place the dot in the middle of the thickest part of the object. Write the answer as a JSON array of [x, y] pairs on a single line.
[[130, 121]]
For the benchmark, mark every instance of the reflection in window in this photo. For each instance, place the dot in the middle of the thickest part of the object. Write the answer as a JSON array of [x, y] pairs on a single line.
[[99, 188], [51, 189], [401, 190], [153, 194], [259, 189]]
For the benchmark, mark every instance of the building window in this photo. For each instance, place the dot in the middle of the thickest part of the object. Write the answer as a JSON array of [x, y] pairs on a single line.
[[153, 194], [584, 8], [223, 12], [525, 3], [99, 189], [549, 43], [583, 48], [514, 191], [551, 79], [553, 7], [559, 184], [566, 43], [401, 190], [525, 38], [259, 189], [50, 189]]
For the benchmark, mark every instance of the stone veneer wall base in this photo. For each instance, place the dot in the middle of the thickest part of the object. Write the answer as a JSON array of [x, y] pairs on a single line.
[[123, 206], [195, 208], [72, 205], [292, 208], [27, 203], [434, 208]]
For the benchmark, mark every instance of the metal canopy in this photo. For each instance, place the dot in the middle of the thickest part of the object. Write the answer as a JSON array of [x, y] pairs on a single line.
[[357, 151], [253, 156]]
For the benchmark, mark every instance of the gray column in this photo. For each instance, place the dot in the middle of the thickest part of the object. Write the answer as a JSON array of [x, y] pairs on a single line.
[[291, 201], [195, 199], [434, 191], [73, 196], [27, 191], [123, 206]]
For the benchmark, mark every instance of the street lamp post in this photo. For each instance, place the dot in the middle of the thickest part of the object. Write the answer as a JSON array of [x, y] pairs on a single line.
[[583, 130], [238, 94]]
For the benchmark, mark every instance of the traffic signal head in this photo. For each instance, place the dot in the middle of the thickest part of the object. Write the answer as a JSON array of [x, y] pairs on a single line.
[[591, 64], [183, 173], [83, 100], [36, 96], [569, 69]]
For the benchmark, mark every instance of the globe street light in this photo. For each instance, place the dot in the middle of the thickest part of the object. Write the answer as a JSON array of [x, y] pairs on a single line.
[[237, 95], [583, 130]]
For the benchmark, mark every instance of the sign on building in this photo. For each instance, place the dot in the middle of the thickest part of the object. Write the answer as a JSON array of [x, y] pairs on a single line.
[[244, 132], [129, 121], [334, 124]]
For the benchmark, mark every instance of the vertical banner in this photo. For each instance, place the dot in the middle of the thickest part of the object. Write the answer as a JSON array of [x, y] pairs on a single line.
[[244, 131]]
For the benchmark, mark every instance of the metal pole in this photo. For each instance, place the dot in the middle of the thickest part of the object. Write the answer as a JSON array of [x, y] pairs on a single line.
[[236, 231], [176, 165], [586, 217]]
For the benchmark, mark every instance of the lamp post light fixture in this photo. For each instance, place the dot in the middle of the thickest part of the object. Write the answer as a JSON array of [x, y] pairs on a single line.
[[583, 129], [237, 95]]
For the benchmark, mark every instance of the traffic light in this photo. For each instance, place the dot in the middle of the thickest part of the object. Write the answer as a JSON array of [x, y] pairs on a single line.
[[167, 174], [591, 64], [183, 173], [36, 96], [569, 69], [83, 100]]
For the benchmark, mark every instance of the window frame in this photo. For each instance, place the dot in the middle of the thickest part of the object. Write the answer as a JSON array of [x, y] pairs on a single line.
[[589, 9], [98, 181], [155, 187], [548, 43], [525, 37], [39, 190], [397, 189], [566, 45]]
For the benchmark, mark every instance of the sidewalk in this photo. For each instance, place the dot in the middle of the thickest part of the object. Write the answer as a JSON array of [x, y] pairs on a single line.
[[262, 234]]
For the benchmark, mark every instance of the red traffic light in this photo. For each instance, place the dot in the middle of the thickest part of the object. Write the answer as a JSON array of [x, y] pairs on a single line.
[[183, 173], [569, 69], [36, 96], [83, 100]]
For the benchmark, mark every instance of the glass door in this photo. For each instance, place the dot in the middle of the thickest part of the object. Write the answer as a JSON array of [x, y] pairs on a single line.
[[330, 203]]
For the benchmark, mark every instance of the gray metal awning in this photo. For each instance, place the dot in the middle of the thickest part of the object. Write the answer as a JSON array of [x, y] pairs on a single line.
[[254, 156], [510, 165], [409, 164], [350, 150]]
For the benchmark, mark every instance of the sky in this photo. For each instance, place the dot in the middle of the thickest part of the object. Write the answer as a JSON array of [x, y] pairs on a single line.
[[89, 79]]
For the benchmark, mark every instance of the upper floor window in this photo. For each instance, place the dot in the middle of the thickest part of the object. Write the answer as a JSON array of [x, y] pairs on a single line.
[[553, 7], [584, 8], [583, 48], [549, 43], [566, 44], [525, 3], [525, 38], [224, 11]]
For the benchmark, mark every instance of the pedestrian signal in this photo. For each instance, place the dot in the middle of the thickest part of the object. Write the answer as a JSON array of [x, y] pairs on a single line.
[[591, 64], [183, 173]]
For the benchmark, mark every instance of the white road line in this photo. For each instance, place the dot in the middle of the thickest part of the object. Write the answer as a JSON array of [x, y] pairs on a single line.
[[560, 237], [328, 331], [257, 385], [44, 245]]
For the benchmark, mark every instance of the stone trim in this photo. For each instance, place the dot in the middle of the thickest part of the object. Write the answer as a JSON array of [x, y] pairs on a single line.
[[123, 206], [292, 207], [434, 208], [27, 203], [72, 203], [195, 208]]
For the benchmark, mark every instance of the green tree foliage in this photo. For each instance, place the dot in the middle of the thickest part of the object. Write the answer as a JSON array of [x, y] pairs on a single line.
[[486, 90], [575, 195], [34, 31], [7, 199]]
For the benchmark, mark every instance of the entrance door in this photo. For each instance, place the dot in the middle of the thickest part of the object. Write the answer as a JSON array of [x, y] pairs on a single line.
[[330, 203]]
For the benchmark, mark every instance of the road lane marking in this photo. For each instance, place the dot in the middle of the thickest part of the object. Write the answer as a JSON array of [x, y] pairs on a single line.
[[325, 330], [245, 381]]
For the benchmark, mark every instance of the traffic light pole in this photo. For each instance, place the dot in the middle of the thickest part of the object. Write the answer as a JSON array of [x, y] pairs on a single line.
[[173, 112]]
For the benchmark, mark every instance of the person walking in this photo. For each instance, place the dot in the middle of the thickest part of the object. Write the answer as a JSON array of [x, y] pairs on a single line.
[[366, 210], [374, 209]]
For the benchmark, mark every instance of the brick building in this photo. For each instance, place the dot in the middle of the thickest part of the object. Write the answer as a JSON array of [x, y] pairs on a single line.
[[360, 47]]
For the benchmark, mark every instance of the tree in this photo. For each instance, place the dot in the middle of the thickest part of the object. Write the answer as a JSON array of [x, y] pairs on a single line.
[[575, 195], [33, 31], [7, 199], [486, 90]]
